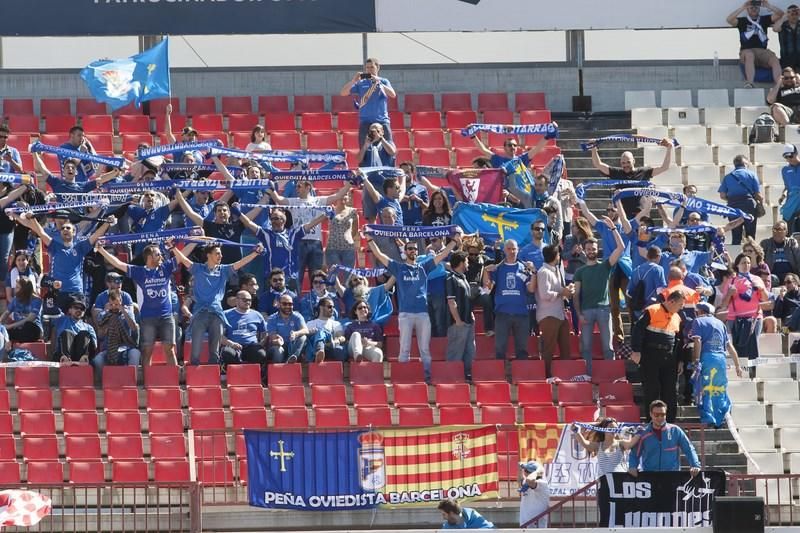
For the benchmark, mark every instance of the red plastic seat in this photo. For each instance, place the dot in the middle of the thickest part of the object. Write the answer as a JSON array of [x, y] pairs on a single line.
[[545, 155], [377, 416], [240, 139], [198, 105], [332, 416], [9, 472], [452, 394], [205, 398], [103, 143], [370, 393], [429, 139], [534, 393], [45, 472], [418, 102], [166, 399], [567, 369], [44, 447], [133, 124], [215, 472], [574, 393], [498, 414], [171, 470], [75, 377], [287, 395], [342, 104], [366, 373], [409, 372], [244, 122], [608, 370], [540, 414], [273, 104], [236, 104], [322, 140], [415, 416], [624, 413], [540, 116], [455, 120], [131, 141], [401, 139], [620, 393], [410, 394], [89, 106], [168, 446], [34, 400], [177, 121], [492, 393], [83, 447], [202, 376], [456, 415], [435, 157], [348, 122], [489, 370], [316, 122], [207, 419], [130, 109], [285, 374], [285, 140], [129, 472], [211, 446], [328, 395], [36, 423], [492, 101], [524, 101], [276, 122], [123, 423], [156, 376], [8, 450], [125, 399], [31, 377], [165, 422], [426, 120], [246, 397], [207, 122], [456, 102], [81, 423], [98, 124], [5, 403], [290, 417], [327, 373], [243, 375], [447, 372], [115, 377], [21, 142], [124, 447], [27, 124], [159, 106], [310, 103], [54, 106], [249, 418], [498, 116], [17, 106], [579, 413], [350, 140]]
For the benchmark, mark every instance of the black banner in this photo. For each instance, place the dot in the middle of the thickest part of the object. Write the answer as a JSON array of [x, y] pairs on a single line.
[[184, 17], [659, 499]]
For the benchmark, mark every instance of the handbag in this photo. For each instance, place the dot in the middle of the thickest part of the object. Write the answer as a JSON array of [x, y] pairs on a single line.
[[760, 209]]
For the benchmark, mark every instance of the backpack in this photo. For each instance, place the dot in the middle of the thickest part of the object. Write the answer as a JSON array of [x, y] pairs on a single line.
[[764, 130], [637, 300]]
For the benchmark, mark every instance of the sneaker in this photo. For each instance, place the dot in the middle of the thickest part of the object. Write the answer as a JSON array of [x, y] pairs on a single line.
[[292, 359], [489, 333], [748, 85]]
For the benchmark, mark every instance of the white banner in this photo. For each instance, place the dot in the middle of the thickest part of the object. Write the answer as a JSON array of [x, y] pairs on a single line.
[[513, 15], [572, 467]]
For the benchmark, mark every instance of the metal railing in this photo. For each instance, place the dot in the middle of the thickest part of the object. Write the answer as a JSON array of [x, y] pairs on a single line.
[[125, 507], [780, 493]]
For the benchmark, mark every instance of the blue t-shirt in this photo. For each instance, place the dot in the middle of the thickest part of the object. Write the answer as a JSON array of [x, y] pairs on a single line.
[[156, 288], [66, 323], [66, 263], [282, 249], [102, 299], [268, 300], [607, 236], [652, 275], [511, 293], [59, 185], [85, 169], [276, 324], [791, 176], [740, 182], [5, 166], [243, 328], [394, 204], [531, 252], [375, 108], [713, 334], [209, 285], [693, 260], [412, 285], [309, 304], [412, 211], [19, 310]]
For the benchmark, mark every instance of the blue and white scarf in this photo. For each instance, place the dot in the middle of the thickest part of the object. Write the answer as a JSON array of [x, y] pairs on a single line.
[[683, 229], [624, 428], [693, 203], [580, 190], [314, 175], [46, 208], [166, 149], [409, 232], [548, 129], [89, 196], [556, 172], [115, 162], [152, 236], [623, 138], [363, 272], [284, 156], [194, 185], [175, 168], [639, 192], [16, 179], [211, 241]]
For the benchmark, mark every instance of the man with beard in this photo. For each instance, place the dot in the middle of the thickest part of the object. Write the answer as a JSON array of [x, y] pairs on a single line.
[[268, 300], [784, 98]]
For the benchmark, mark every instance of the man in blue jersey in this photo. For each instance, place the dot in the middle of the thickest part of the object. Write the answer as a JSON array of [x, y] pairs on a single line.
[[372, 95], [78, 141], [268, 299], [287, 332], [245, 334], [394, 191], [457, 517], [68, 182], [651, 277], [73, 340], [155, 289], [412, 296]]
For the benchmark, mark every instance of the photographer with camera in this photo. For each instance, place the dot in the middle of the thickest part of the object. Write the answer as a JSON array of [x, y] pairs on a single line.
[[753, 29], [10, 160], [371, 94], [377, 150], [118, 330]]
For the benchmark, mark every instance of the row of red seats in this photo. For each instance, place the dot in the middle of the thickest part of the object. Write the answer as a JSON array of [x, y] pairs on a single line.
[[279, 104]]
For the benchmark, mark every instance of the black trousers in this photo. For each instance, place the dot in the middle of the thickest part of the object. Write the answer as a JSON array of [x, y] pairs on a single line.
[[251, 353], [27, 332], [75, 346], [659, 369]]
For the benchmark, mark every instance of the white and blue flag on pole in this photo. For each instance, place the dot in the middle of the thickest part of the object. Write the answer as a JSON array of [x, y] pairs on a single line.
[[138, 78]]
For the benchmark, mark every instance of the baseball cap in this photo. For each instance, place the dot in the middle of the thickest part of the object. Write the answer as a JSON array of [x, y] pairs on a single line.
[[706, 308], [113, 276], [789, 149], [530, 466], [77, 301]]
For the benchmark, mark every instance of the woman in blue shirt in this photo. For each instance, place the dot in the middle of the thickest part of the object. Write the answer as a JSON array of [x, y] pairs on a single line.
[[23, 316]]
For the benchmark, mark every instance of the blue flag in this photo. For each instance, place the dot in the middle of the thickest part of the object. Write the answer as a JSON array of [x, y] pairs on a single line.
[[507, 222], [138, 78]]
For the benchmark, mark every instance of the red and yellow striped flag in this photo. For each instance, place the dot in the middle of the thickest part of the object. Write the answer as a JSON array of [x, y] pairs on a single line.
[[431, 464], [539, 442]]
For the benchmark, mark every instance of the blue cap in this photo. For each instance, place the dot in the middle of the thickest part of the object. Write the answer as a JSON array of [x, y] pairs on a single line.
[[530, 466]]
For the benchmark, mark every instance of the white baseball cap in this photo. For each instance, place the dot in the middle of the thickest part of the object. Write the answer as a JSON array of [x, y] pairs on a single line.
[[789, 150]]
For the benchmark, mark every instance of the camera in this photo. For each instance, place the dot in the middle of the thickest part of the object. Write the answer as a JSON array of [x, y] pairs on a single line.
[[367, 75], [755, 3]]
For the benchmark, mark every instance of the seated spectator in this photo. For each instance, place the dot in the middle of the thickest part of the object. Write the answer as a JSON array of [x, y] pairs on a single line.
[[781, 253], [258, 140], [326, 339], [542, 199], [758, 267], [245, 334], [10, 160], [72, 338], [787, 30], [268, 299], [118, 330], [357, 289], [377, 150], [309, 304], [247, 282], [23, 318], [287, 332], [23, 269], [364, 337], [753, 29], [113, 282], [788, 302], [784, 98]]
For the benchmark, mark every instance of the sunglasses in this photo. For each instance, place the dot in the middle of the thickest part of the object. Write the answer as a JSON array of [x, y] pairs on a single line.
[[3, 136], [362, 308], [538, 229], [289, 304]]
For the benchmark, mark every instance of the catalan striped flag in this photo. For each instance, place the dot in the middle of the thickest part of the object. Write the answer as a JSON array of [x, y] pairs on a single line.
[[539, 442], [450, 461]]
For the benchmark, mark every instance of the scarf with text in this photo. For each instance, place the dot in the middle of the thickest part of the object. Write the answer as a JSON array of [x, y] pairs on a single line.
[[194, 185], [16, 179], [580, 190], [172, 169], [115, 162], [55, 206], [284, 156], [556, 172], [623, 138], [313, 175], [363, 272], [548, 129], [166, 149], [89, 197], [150, 236], [409, 232]]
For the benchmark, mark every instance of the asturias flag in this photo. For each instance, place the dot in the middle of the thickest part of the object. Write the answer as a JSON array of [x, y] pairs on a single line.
[[507, 222], [138, 78]]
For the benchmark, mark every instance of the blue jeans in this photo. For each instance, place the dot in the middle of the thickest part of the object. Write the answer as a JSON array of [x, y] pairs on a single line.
[[409, 324], [131, 354], [602, 317], [6, 242], [504, 325], [279, 354], [439, 313], [341, 257], [461, 346], [310, 256], [206, 322]]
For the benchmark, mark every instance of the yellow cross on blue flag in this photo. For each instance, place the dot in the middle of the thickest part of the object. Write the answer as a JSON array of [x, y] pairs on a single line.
[[138, 78], [502, 222]]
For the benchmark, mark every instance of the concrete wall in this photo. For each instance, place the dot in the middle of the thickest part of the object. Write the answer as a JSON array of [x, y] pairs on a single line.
[[606, 82]]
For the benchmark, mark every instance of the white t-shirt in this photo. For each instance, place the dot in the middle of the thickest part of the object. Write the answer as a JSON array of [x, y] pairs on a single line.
[[301, 217], [534, 502], [334, 327], [263, 146]]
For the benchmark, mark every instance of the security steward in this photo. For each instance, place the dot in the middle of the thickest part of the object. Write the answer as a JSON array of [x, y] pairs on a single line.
[[656, 334]]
